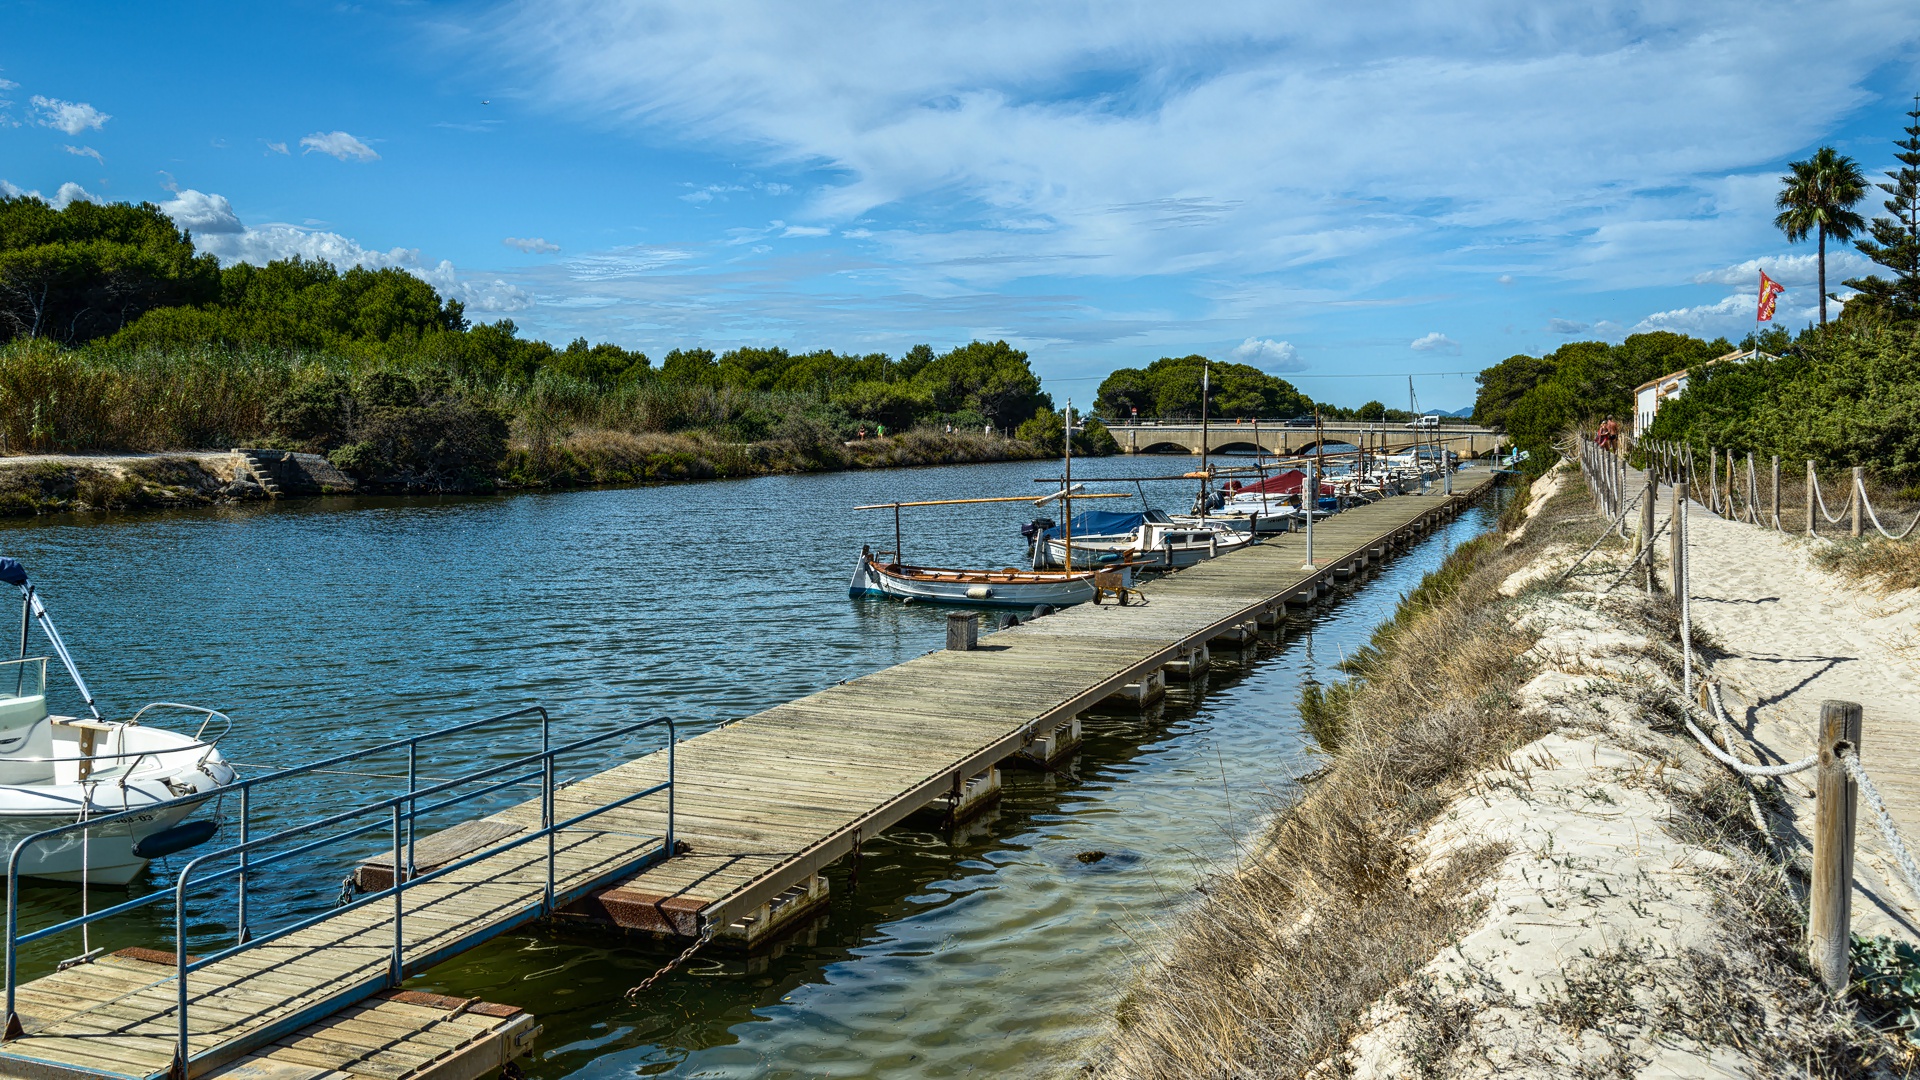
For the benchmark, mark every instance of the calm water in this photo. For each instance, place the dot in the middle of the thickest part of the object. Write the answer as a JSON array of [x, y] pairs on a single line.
[[328, 625]]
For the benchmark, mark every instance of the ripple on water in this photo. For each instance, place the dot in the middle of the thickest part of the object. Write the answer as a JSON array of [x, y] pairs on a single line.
[[333, 624]]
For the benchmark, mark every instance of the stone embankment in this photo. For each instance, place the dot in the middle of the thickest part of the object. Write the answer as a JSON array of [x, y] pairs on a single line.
[[66, 483], [1517, 862]]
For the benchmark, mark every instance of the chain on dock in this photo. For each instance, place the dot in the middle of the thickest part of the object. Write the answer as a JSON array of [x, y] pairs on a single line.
[[646, 984]]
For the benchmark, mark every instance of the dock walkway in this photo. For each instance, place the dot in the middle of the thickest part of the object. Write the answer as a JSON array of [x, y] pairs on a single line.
[[761, 806]]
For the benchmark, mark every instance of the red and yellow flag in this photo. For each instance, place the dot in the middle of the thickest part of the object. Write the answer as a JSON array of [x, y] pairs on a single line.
[[1770, 291]]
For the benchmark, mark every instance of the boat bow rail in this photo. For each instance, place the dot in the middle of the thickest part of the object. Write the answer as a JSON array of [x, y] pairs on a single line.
[[397, 815]]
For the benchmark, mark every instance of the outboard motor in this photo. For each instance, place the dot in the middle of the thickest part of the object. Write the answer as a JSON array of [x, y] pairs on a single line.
[[1034, 528]]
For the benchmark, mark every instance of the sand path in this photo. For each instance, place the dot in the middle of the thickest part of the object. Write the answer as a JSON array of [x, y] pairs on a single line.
[[1792, 635]]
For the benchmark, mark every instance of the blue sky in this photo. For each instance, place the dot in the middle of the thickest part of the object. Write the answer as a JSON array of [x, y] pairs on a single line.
[[1325, 192]]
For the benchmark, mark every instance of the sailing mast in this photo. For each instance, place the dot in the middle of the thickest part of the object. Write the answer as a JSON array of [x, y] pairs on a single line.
[[1206, 370], [1066, 486]]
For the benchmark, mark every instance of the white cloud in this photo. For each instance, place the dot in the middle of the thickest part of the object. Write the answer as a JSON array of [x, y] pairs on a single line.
[[203, 214], [1505, 279], [806, 230], [338, 144], [69, 194], [218, 230], [531, 245], [1791, 270], [86, 151], [9, 189], [1435, 342], [856, 234], [1562, 326], [8, 84], [1268, 354], [72, 117], [277, 147]]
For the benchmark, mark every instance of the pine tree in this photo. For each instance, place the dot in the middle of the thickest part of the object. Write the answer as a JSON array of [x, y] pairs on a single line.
[[1896, 236]]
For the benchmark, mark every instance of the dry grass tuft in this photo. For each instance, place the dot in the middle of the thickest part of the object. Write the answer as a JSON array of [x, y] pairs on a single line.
[[1268, 974]]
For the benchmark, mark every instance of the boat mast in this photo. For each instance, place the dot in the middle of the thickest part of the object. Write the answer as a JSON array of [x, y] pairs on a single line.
[[1066, 485], [898, 559], [1206, 370]]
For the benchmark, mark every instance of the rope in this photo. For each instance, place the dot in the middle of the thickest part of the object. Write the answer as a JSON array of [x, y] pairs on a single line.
[[1821, 500], [1875, 518], [1646, 554], [1851, 762], [1729, 760], [1611, 525]]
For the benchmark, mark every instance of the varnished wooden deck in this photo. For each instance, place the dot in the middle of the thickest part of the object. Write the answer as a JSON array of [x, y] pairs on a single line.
[[763, 802]]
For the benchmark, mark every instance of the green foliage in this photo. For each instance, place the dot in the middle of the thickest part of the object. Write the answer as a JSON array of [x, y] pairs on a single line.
[[1372, 412], [1842, 396], [1886, 983], [1582, 382], [374, 365], [1505, 383], [1170, 388], [77, 274], [1896, 239], [1046, 430]]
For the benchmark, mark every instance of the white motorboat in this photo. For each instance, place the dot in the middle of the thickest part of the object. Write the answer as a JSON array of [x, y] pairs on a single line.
[[1153, 544], [61, 770], [976, 588]]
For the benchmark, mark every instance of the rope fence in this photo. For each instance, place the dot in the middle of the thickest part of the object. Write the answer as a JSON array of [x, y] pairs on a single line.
[[1841, 780], [1675, 462]]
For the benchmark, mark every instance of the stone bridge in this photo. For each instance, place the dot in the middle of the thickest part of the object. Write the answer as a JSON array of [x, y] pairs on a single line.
[[1183, 437]]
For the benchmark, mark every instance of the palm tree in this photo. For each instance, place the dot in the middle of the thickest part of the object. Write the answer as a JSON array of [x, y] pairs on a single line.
[[1818, 197]]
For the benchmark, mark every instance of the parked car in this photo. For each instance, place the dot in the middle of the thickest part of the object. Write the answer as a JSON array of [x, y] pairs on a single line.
[[1431, 420]]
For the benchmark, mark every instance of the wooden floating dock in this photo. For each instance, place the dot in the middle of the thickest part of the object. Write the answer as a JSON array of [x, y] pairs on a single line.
[[762, 805]]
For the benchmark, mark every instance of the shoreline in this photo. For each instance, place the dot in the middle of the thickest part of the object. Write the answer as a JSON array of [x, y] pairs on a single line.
[[39, 484]]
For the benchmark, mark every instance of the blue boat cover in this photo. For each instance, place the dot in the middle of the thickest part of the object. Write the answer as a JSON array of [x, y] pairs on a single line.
[[1100, 523], [12, 572]]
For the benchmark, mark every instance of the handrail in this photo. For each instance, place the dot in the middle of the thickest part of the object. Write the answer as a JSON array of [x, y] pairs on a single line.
[[244, 788]]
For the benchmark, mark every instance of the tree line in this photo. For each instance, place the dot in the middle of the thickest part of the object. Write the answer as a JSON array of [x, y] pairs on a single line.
[[112, 303], [1840, 392]]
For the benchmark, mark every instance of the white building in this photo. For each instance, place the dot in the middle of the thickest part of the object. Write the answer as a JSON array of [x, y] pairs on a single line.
[[1650, 395]]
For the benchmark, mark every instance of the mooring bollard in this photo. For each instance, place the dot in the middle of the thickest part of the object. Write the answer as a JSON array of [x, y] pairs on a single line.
[[1829, 901], [963, 631]]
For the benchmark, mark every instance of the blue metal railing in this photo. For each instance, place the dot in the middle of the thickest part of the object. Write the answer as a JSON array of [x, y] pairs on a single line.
[[402, 811]]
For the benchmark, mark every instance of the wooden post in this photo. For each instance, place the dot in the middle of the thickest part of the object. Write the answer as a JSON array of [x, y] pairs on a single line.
[[1644, 537], [1811, 531], [1774, 521], [1829, 901], [963, 631], [1713, 479], [1676, 541], [1859, 489]]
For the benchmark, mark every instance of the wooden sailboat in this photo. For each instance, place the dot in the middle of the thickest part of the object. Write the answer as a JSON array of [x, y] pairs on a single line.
[[886, 574]]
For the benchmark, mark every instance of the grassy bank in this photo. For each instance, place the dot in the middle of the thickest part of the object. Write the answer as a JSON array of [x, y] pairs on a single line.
[[412, 427], [1509, 864]]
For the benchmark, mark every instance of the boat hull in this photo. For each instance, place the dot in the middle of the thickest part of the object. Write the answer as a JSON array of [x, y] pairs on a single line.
[[965, 588]]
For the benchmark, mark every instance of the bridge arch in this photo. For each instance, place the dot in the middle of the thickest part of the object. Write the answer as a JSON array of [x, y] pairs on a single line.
[[1164, 447], [1242, 447]]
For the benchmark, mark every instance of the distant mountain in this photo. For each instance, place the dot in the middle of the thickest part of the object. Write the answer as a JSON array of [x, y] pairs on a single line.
[[1460, 413]]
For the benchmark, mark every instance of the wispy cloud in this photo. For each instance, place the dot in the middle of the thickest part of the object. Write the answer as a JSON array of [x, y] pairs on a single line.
[[1486, 115], [86, 151], [277, 148], [1434, 342], [1564, 326], [531, 245], [72, 117], [338, 144]]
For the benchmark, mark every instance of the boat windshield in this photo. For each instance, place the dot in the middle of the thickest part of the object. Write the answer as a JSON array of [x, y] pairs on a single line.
[[24, 678]]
